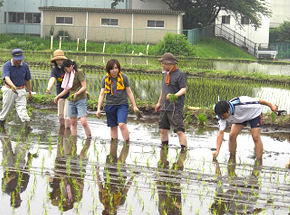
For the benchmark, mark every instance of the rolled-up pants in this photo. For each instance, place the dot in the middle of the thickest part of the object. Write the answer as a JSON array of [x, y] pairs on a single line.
[[9, 98]]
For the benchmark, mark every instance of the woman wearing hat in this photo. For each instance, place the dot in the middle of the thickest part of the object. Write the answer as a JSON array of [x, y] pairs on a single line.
[[57, 74]]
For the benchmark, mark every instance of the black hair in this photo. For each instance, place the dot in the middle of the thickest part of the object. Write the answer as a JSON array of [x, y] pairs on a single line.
[[68, 63], [111, 63], [221, 107]]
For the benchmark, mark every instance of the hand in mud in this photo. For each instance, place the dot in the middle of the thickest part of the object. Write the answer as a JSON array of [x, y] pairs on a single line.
[[47, 91]]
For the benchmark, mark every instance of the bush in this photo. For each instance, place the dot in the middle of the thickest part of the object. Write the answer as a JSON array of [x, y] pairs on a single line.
[[280, 34], [176, 44]]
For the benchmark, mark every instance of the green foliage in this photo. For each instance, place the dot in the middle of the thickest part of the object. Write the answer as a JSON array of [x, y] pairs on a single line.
[[281, 33], [273, 116], [177, 44], [200, 13], [202, 119], [188, 118]]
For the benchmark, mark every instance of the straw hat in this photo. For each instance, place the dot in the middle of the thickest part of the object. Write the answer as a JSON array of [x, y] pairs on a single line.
[[58, 55]]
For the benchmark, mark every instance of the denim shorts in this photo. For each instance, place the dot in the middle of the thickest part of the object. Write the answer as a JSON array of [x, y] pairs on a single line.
[[116, 114], [77, 108]]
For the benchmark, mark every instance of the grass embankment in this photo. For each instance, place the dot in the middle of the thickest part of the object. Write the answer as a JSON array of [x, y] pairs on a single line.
[[213, 48]]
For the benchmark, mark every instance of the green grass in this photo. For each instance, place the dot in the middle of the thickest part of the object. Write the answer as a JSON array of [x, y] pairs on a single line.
[[214, 48], [217, 48]]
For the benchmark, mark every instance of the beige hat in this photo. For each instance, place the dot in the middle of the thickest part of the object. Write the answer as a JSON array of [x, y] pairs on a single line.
[[168, 58], [58, 55]]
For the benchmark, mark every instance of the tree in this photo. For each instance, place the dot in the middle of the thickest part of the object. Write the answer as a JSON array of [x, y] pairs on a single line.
[[281, 33], [1, 3], [204, 12]]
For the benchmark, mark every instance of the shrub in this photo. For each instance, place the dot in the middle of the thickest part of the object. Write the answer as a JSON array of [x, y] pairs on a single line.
[[176, 44]]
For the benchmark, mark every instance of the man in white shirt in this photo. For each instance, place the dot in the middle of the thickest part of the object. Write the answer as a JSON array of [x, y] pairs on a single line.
[[239, 111]]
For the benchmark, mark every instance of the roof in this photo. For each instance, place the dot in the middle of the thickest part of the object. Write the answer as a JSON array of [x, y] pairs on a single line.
[[109, 10]]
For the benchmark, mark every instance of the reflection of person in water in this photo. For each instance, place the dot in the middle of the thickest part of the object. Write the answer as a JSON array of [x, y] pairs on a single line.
[[113, 191], [242, 195], [15, 178], [169, 190], [67, 184]]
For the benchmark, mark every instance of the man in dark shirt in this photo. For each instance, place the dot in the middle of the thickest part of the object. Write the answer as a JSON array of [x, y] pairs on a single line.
[[171, 100], [16, 75]]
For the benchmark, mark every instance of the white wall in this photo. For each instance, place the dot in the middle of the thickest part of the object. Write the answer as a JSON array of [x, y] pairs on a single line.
[[280, 12], [148, 5], [259, 35]]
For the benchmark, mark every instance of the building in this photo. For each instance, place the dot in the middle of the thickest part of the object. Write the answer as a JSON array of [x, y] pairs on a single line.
[[91, 19], [110, 25], [280, 12]]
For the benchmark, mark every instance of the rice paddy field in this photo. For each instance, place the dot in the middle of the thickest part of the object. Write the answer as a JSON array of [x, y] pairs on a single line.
[[45, 171]]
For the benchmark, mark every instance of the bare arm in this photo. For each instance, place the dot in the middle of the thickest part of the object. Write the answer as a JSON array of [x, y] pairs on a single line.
[[11, 84], [131, 97], [100, 102], [28, 87], [270, 105], [82, 89], [64, 92], [50, 84], [219, 141], [157, 107]]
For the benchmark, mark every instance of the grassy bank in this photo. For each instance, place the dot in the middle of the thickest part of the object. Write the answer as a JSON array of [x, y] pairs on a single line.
[[214, 48]]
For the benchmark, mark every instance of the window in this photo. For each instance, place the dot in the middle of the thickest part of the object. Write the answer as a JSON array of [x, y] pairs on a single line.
[[245, 20], [23, 17], [226, 19], [5, 20], [64, 20], [109, 22], [32, 18], [155, 24]]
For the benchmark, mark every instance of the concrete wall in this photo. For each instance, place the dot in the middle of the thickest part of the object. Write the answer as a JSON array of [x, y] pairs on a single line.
[[259, 35], [280, 12], [148, 5], [132, 27]]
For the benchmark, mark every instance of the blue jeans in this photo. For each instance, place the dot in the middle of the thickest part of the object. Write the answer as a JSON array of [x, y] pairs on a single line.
[[77, 108]]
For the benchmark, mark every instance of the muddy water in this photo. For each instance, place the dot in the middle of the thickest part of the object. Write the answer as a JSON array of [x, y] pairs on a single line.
[[152, 180]]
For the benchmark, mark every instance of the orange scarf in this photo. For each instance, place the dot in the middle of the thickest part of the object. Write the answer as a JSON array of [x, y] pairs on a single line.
[[167, 80]]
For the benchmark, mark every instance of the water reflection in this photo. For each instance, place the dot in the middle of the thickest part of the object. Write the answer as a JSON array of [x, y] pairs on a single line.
[[168, 183], [114, 188], [242, 194], [16, 163], [67, 183]]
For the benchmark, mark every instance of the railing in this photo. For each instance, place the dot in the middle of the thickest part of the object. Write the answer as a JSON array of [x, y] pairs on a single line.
[[236, 38]]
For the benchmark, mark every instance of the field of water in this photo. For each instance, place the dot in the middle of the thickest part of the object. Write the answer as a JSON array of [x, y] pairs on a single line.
[[44, 171]]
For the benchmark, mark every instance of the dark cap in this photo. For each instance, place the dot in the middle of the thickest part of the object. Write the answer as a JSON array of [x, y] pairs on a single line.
[[17, 54], [168, 58]]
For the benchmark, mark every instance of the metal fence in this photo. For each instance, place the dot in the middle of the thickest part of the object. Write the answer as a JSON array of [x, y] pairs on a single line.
[[236, 38]]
